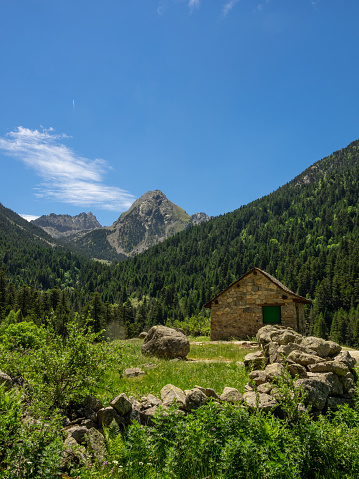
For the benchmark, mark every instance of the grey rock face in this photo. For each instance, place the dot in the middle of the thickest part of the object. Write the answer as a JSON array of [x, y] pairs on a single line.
[[106, 415], [164, 342], [79, 433], [171, 394], [150, 220], [231, 395], [195, 398], [133, 372], [303, 358], [262, 401], [96, 445], [93, 403], [256, 360], [316, 392], [59, 226], [121, 404]]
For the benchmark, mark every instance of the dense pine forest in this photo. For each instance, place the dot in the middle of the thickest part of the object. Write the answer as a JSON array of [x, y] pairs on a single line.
[[306, 234]]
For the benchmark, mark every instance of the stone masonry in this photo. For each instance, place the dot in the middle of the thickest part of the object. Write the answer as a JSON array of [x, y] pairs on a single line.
[[237, 312]]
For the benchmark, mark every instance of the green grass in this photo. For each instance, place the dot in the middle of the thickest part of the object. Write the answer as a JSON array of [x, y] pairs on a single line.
[[183, 374]]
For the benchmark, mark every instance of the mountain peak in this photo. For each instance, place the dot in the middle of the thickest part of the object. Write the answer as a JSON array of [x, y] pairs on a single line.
[[151, 219], [59, 226]]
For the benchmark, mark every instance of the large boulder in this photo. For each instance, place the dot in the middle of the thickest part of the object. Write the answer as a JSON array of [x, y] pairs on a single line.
[[164, 342]]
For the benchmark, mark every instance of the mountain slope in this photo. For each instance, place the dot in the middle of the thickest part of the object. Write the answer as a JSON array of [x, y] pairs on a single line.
[[306, 234], [59, 226], [150, 220]]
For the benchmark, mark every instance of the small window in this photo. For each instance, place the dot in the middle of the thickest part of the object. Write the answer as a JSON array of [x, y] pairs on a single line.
[[271, 314]]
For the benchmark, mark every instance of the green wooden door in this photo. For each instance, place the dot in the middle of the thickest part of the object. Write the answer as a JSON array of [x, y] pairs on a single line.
[[271, 314]]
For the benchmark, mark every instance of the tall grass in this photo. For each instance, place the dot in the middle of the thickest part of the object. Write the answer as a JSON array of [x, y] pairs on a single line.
[[183, 374]]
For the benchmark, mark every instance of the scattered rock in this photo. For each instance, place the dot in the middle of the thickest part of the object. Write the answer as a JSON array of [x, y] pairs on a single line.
[[133, 372], [149, 366], [318, 345], [258, 377], [273, 371], [210, 393]]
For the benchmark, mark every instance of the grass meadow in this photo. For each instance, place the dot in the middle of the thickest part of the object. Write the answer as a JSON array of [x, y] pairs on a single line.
[[209, 365]]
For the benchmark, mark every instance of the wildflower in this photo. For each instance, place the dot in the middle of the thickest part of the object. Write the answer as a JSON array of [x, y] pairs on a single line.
[[140, 463], [115, 462], [28, 462]]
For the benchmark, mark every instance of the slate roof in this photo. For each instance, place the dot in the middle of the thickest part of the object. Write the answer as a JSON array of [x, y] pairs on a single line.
[[271, 278]]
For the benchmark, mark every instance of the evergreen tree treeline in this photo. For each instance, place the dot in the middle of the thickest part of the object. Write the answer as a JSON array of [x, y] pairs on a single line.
[[306, 234]]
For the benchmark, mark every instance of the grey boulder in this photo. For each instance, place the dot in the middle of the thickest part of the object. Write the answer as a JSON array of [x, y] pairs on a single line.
[[164, 342]]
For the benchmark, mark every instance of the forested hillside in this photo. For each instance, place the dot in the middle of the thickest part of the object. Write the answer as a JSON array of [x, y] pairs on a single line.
[[306, 234]]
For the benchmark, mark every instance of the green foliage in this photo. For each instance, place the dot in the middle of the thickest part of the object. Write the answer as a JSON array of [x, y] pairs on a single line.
[[61, 371], [193, 326], [28, 449], [24, 335]]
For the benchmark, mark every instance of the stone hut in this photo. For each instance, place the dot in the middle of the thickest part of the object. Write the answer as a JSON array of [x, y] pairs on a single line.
[[251, 302]]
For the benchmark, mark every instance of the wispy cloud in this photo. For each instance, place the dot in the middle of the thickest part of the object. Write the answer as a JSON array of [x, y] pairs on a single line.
[[227, 7], [261, 5], [193, 5], [66, 176]]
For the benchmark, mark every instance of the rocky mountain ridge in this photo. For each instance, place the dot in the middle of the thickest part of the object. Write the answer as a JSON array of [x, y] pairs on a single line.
[[59, 226], [150, 220]]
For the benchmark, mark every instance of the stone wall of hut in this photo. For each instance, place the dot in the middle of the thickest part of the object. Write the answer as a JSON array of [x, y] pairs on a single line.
[[237, 312]]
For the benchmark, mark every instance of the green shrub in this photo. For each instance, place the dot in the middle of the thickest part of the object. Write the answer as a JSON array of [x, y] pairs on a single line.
[[28, 449], [24, 335]]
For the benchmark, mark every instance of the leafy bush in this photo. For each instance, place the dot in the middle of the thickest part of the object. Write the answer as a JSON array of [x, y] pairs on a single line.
[[194, 326], [28, 449], [24, 335], [61, 371]]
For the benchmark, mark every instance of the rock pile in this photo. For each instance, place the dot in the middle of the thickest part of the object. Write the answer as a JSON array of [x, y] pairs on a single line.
[[324, 372]]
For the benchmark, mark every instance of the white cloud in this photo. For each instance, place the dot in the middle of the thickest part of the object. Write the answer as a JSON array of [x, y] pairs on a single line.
[[29, 217], [67, 177], [227, 7], [193, 4]]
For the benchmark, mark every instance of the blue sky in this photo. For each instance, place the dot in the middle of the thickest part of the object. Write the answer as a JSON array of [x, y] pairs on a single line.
[[214, 102]]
